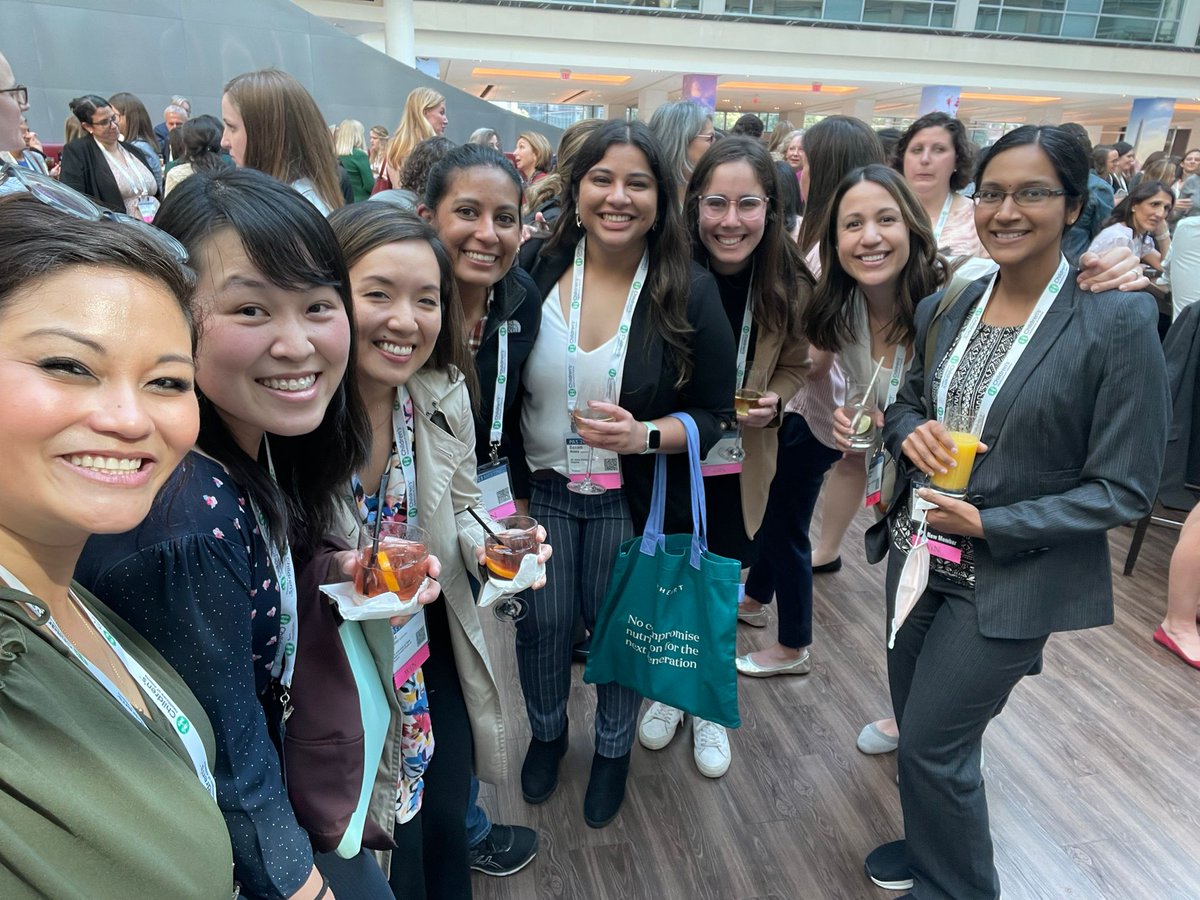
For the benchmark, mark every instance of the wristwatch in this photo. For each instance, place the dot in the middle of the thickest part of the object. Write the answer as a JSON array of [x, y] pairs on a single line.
[[653, 438]]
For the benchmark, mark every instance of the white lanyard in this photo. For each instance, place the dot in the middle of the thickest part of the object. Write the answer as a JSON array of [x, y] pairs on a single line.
[[408, 468], [971, 325], [897, 374], [743, 350], [497, 429], [616, 363], [941, 222], [150, 688], [133, 178], [285, 578]]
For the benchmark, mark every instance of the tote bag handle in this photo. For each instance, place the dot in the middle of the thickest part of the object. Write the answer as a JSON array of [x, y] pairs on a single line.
[[653, 537]]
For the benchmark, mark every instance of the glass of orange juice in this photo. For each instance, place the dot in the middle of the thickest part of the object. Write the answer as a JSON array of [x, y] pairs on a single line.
[[965, 431]]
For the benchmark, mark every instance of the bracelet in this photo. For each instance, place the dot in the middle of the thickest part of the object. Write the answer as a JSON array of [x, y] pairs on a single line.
[[324, 887]]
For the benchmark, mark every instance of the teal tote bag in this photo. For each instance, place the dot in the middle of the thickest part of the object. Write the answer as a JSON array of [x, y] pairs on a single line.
[[667, 626]]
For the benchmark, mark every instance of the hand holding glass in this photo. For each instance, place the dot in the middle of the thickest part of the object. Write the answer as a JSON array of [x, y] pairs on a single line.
[[859, 408], [597, 389], [515, 538], [396, 561], [746, 397], [964, 430]]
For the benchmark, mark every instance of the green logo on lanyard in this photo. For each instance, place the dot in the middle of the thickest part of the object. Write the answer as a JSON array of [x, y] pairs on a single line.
[[1023, 339], [182, 725], [284, 619], [501, 379], [570, 348], [289, 649]]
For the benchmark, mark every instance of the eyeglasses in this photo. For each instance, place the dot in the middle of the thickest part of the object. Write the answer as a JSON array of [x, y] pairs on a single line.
[[1027, 196], [69, 201], [708, 137], [714, 206], [104, 123], [20, 94]]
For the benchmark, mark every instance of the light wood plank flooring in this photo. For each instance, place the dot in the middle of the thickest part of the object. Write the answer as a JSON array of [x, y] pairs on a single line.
[[1092, 770]]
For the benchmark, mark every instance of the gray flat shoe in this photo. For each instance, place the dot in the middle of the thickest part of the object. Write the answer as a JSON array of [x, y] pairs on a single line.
[[874, 742], [757, 619], [801, 666]]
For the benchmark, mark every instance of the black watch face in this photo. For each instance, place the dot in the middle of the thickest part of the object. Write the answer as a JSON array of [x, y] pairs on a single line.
[[655, 439]]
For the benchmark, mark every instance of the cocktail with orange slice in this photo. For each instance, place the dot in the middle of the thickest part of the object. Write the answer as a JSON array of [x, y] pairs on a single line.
[[395, 561]]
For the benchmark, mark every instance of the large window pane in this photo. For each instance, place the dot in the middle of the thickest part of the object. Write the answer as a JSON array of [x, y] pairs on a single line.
[[1082, 6], [1151, 9], [1079, 27], [737, 6], [942, 16], [987, 20], [1017, 22], [844, 10], [790, 9], [879, 12], [1113, 28]]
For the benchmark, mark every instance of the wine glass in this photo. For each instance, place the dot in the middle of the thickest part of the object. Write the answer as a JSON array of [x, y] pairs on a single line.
[[753, 387], [598, 389], [514, 538]]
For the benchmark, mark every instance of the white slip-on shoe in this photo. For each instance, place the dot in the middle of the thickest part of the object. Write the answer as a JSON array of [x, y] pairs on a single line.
[[756, 619], [873, 741], [710, 748], [659, 725], [802, 665]]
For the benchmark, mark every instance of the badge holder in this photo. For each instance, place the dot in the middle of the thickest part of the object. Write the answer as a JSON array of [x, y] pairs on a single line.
[[495, 486]]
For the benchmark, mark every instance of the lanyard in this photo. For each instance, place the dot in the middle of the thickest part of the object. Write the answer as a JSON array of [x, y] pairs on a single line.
[[616, 363], [971, 325], [285, 577], [941, 222], [497, 429], [408, 467], [897, 374], [134, 178], [743, 349], [150, 688]]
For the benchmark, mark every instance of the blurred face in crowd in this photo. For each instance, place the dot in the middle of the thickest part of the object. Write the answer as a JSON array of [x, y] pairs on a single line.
[[105, 126], [1113, 156], [174, 120], [1126, 163], [1149, 214], [524, 157], [795, 154], [1191, 162], [730, 237], [233, 140], [929, 160], [700, 143], [10, 111], [436, 117], [872, 237]]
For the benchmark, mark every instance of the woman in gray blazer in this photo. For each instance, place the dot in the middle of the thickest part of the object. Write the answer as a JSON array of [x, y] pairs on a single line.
[[1072, 444]]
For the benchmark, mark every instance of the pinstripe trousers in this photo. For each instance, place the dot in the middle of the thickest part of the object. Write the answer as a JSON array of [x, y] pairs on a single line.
[[586, 533]]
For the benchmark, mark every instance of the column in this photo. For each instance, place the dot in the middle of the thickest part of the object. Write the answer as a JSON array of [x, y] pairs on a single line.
[[648, 101], [399, 32], [965, 13], [1189, 25], [860, 108]]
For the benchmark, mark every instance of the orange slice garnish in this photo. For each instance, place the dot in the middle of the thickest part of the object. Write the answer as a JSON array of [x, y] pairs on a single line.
[[389, 575]]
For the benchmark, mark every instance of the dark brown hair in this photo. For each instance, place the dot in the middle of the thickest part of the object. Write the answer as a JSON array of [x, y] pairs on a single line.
[[964, 150], [834, 146]]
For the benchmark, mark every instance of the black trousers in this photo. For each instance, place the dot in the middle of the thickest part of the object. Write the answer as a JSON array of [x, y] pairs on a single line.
[[431, 862], [359, 877], [948, 682]]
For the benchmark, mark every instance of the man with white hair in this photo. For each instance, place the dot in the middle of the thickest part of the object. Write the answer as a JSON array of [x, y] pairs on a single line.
[[178, 111]]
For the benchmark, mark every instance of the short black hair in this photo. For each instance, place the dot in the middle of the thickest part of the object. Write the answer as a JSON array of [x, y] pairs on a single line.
[[1060, 147], [749, 125], [465, 156]]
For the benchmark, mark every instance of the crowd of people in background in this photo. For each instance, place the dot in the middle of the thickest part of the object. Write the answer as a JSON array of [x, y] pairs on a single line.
[[297, 331]]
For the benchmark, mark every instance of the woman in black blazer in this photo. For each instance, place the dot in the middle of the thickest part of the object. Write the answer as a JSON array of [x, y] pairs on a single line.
[[110, 171], [1072, 445], [649, 327]]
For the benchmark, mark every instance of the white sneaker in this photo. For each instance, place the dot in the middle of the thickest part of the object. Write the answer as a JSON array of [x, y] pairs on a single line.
[[659, 725], [710, 748]]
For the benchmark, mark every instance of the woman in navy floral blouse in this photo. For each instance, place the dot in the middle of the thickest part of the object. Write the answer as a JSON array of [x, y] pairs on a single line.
[[209, 578]]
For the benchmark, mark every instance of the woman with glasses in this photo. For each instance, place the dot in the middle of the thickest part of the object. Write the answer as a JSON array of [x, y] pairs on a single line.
[[1070, 390], [106, 754], [14, 100], [736, 218], [684, 130], [112, 172], [620, 295]]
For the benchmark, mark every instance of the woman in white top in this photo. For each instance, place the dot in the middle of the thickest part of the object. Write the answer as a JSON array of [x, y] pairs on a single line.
[[107, 169], [1139, 222]]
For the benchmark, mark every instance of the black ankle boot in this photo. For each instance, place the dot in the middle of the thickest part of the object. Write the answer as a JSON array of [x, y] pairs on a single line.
[[605, 790], [539, 774]]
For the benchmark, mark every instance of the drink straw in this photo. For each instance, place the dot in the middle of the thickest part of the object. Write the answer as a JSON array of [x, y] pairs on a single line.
[[486, 526], [383, 486], [866, 394]]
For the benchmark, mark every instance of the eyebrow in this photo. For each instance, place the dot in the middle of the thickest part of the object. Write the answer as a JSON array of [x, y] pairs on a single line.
[[636, 173], [388, 282], [99, 348], [246, 281], [475, 201]]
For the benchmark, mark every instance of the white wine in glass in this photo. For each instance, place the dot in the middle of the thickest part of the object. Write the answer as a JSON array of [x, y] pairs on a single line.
[[597, 389], [752, 389]]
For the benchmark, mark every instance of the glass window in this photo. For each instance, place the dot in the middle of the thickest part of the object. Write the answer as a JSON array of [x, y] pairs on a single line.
[[1079, 27], [844, 10], [737, 7], [1083, 6], [1047, 5], [1142, 9], [1020, 22], [987, 19], [1121, 28], [885, 13], [789, 9], [942, 15], [1167, 30]]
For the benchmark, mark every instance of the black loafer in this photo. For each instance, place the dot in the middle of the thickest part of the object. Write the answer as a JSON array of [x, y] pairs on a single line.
[[579, 653], [605, 790], [887, 866], [539, 774], [834, 565]]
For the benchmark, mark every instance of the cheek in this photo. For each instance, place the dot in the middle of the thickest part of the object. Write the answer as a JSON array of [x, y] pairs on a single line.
[[332, 341], [179, 424], [225, 355]]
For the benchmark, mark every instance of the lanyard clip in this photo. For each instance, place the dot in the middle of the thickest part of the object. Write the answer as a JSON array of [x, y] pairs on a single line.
[[495, 453]]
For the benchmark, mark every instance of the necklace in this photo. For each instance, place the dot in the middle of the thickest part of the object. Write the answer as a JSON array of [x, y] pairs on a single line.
[[136, 697]]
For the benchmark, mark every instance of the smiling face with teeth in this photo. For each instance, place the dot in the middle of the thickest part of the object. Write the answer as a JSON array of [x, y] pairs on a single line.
[[397, 311], [618, 200], [99, 406], [731, 239], [270, 358], [872, 238]]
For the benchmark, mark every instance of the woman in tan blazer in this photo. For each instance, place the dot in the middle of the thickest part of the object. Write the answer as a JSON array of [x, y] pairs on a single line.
[[734, 211]]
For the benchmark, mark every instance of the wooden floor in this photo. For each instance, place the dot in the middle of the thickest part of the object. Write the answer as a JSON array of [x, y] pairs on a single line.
[[1092, 772]]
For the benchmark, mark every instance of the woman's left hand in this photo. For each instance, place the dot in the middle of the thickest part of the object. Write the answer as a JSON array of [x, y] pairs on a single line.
[[1117, 268], [622, 434], [763, 412], [952, 516]]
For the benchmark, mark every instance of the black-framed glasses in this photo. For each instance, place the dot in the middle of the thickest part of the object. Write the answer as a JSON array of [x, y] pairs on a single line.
[[1026, 196], [20, 94], [715, 206], [114, 119], [69, 201]]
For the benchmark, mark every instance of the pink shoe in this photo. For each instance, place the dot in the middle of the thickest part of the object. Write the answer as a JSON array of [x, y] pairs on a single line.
[[1161, 637]]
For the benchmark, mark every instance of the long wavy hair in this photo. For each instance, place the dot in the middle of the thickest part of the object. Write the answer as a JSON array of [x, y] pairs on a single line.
[[549, 188], [780, 273], [294, 248], [363, 227], [829, 319], [413, 127], [668, 283], [834, 146]]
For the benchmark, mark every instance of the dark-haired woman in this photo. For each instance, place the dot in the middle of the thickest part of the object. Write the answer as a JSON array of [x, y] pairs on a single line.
[[473, 201], [622, 296], [106, 755], [735, 212], [112, 172], [1071, 391], [414, 369], [935, 155], [209, 577], [137, 129], [1139, 222], [201, 151]]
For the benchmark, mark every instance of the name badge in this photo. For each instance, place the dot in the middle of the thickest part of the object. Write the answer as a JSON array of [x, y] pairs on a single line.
[[147, 208], [496, 488], [605, 464], [410, 648], [874, 478], [716, 464], [943, 546]]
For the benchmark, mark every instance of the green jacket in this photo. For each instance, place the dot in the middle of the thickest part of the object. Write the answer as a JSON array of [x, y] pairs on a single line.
[[93, 805], [362, 179]]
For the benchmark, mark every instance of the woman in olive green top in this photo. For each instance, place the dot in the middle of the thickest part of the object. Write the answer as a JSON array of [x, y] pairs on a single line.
[[105, 787]]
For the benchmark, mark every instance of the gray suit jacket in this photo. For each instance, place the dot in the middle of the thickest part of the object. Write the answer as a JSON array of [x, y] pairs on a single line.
[[1076, 439]]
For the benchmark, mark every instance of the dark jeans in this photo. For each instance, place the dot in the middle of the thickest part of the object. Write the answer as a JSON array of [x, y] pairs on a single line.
[[948, 682], [357, 877], [431, 861], [784, 566]]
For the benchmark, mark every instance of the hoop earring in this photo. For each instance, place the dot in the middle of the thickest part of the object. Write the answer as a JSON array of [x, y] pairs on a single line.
[[578, 221]]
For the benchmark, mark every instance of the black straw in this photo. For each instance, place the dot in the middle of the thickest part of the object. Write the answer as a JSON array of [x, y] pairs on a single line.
[[486, 526], [383, 486]]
